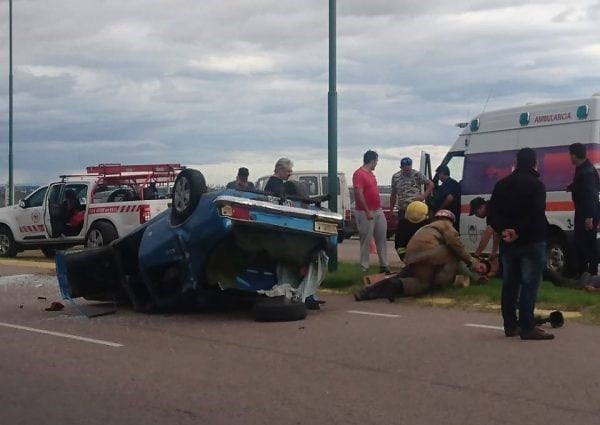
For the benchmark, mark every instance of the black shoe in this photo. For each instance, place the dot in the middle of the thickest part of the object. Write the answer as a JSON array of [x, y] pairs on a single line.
[[313, 304], [516, 331], [363, 295], [385, 270]]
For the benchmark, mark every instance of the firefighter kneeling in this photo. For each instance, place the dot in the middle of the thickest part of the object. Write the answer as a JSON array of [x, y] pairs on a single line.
[[434, 256]]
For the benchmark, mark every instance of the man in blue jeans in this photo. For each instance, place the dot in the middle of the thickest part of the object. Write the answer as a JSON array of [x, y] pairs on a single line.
[[519, 215]]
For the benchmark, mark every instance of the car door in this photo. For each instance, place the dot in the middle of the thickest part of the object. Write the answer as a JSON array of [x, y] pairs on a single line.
[[30, 218], [54, 213]]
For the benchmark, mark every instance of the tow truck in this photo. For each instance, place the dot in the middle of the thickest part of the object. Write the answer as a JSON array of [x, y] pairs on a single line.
[[113, 199]]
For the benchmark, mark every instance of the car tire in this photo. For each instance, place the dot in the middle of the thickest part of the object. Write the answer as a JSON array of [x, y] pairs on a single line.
[[49, 251], [100, 234], [189, 187], [8, 246], [277, 311]]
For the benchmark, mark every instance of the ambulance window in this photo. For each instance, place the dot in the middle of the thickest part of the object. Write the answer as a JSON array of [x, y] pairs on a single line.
[[456, 165], [36, 199], [325, 185], [312, 183]]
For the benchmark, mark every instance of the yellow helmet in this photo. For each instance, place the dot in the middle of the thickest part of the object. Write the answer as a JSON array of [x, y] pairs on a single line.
[[416, 212]]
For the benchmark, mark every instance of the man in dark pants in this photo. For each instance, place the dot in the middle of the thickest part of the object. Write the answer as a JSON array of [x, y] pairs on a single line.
[[519, 215], [584, 191]]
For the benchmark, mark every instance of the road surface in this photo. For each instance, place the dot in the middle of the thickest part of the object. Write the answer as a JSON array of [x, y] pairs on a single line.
[[350, 363]]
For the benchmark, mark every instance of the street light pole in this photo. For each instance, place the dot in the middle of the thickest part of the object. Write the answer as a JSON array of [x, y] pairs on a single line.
[[11, 187], [332, 188]]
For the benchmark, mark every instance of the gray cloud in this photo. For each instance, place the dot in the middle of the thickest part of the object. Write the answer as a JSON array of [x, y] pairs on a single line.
[[189, 81]]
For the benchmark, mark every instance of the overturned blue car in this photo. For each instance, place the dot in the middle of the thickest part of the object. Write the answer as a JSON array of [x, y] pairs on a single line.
[[271, 249]]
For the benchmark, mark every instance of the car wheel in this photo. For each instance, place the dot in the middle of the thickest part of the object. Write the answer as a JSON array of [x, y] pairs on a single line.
[[277, 311], [189, 187], [8, 246], [100, 234], [556, 256], [49, 251]]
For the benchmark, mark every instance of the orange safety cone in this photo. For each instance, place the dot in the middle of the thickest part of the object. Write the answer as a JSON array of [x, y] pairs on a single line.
[[372, 247]]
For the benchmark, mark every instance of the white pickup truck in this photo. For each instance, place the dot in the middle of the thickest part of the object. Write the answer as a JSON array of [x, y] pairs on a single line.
[[111, 200]]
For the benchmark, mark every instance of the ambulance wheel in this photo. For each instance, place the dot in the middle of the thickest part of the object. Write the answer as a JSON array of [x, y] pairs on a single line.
[[8, 246], [100, 234], [189, 187], [556, 255]]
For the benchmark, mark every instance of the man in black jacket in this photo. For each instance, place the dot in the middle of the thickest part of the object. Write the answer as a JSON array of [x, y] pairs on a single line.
[[519, 215], [584, 191]]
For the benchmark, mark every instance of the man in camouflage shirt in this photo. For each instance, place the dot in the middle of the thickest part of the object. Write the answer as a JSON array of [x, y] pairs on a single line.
[[407, 186]]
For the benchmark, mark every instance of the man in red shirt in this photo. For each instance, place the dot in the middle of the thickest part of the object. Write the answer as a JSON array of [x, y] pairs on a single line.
[[370, 219]]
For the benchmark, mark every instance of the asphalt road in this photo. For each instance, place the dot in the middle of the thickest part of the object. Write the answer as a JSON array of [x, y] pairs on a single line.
[[350, 363]]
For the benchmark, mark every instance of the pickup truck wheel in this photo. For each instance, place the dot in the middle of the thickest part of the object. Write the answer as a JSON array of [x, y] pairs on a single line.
[[189, 187], [8, 246], [100, 234], [277, 311]]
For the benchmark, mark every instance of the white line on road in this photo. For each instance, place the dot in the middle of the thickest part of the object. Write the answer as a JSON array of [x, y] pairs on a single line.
[[368, 313], [475, 325], [79, 338]]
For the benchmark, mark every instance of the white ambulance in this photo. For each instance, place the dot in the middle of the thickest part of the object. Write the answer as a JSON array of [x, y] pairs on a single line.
[[110, 201], [485, 152]]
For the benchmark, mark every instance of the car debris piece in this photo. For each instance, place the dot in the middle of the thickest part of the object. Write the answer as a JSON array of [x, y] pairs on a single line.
[[55, 306]]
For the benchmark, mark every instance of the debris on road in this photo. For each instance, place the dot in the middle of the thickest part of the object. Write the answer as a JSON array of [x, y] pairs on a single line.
[[55, 306]]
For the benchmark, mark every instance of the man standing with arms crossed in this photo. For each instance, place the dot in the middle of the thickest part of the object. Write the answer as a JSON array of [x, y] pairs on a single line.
[[370, 219], [584, 192], [519, 215], [407, 186]]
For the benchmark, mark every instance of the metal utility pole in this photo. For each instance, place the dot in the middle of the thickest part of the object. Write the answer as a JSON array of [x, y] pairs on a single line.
[[11, 185], [332, 123]]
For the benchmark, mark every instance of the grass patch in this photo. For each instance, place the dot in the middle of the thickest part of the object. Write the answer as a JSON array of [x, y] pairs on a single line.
[[349, 277]]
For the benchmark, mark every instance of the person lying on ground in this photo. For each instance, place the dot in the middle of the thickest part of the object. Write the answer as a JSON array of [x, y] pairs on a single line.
[[434, 257]]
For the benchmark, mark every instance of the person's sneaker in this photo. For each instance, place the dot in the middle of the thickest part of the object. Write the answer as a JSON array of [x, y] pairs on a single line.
[[536, 334], [385, 270], [516, 331]]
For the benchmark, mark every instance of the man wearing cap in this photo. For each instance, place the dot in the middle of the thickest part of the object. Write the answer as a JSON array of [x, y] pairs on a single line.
[[369, 216], [448, 194], [481, 208], [407, 186], [241, 181], [282, 172]]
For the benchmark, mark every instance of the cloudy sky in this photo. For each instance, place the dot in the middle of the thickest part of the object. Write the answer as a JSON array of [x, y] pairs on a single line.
[[219, 84]]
